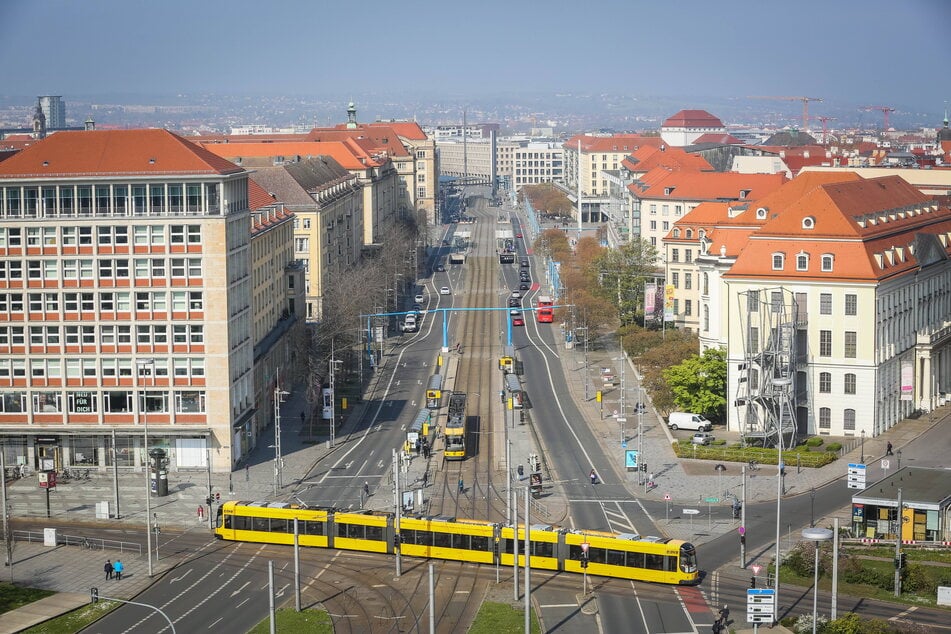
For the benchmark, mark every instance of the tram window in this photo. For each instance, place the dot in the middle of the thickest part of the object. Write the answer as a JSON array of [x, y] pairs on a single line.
[[575, 552], [615, 557], [260, 524], [506, 546], [227, 521], [442, 540], [596, 555], [654, 562], [375, 533], [479, 543], [410, 536], [282, 526], [242, 523], [313, 528], [635, 560], [670, 563], [543, 549], [350, 530]]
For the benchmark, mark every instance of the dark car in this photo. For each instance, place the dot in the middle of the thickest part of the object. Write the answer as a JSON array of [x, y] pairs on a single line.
[[524, 276], [515, 302], [524, 286], [440, 268]]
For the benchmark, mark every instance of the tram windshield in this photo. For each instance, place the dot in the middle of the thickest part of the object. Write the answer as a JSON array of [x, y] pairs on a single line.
[[688, 558]]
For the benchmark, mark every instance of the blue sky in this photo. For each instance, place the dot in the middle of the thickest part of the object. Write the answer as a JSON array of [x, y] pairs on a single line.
[[870, 51]]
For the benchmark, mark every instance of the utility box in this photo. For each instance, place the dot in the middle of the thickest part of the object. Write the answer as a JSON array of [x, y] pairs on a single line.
[[102, 510], [158, 472]]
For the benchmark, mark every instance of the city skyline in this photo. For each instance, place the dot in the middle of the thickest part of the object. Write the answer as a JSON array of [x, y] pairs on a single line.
[[872, 53]]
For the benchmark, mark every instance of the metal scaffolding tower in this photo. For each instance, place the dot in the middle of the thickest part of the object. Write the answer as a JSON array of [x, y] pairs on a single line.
[[773, 344]]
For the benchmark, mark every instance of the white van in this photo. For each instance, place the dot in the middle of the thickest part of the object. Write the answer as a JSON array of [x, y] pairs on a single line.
[[686, 420], [409, 323]]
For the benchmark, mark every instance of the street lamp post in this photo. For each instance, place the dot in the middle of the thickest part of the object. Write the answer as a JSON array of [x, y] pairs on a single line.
[[333, 398], [278, 475], [783, 384], [815, 535], [812, 507], [862, 459], [143, 405]]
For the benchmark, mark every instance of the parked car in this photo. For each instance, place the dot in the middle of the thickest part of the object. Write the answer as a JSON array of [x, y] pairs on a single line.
[[687, 420], [445, 291], [440, 268], [702, 438]]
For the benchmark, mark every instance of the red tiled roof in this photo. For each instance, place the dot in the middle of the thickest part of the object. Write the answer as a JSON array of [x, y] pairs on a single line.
[[686, 185], [647, 158], [692, 119], [836, 209], [347, 152], [258, 196], [373, 139], [406, 129], [626, 143], [92, 152], [723, 139]]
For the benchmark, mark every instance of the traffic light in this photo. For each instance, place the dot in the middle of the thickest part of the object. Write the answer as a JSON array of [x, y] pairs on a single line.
[[598, 396], [902, 560], [644, 467], [495, 549], [584, 561], [94, 594], [753, 582], [218, 498], [396, 541], [743, 540], [208, 500]]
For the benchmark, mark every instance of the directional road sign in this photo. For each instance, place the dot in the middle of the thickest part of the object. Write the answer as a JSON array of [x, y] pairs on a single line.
[[760, 605], [856, 475], [691, 512], [711, 500]]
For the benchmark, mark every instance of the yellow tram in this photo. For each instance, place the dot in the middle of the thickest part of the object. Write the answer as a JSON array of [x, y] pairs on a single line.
[[624, 556]]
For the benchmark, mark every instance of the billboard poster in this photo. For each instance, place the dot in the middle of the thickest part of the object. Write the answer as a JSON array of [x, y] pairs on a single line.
[[907, 381], [650, 294], [669, 302]]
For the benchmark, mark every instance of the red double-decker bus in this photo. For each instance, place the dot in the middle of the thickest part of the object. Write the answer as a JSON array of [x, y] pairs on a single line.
[[545, 311]]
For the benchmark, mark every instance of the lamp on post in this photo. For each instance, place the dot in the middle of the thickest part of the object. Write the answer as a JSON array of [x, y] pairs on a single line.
[[333, 399], [782, 385], [815, 535], [862, 459], [278, 460], [141, 364]]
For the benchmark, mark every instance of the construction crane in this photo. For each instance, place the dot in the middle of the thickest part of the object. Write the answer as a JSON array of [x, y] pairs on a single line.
[[884, 109], [824, 120], [805, 105]]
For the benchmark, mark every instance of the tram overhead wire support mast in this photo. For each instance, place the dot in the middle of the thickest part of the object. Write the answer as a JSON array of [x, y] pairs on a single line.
[[781, 385], [278, 458], [141, 364]]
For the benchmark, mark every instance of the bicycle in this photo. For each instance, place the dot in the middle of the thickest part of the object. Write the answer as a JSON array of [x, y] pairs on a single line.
[[754, 465]]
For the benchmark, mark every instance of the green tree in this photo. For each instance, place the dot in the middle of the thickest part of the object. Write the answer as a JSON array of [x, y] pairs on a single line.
[[699, 383], [674, 348], [621, 275]]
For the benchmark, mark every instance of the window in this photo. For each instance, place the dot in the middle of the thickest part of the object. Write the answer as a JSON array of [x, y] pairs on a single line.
[[706, 283], [825, 303], [301, 245], [190, 402], [675, 280], [825, 343], [688, 255], [825, 382], [688, 279], [675, 255], [754, 340], [778, 259], [827, 260], [851, 342], [802, 262], [825, 418], [706, 318], [851, 304], [849, 385], [848, 420], [688, 307]]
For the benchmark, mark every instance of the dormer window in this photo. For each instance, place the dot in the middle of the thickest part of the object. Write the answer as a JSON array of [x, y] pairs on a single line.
[[761, 213], [808, 222], [689, 233], [668, 191], [703, 234], [677, 233], [827, 260], [744, 193], [779, 260], [802, 262]]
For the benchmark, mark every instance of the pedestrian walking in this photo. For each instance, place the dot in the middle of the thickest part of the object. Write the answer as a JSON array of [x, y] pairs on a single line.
[[593, 476], [117, 568], [107, 568], [462, 486], [201, 512], [650, 480], [888, 449], [366, 489], [425, 477]]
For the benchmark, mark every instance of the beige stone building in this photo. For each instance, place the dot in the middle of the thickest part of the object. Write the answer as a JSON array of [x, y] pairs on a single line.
[[129, 295]]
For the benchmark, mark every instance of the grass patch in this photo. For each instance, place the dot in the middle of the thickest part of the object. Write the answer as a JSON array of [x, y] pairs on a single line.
[[501, 618], [76, 620], [290, 620], [13, 597]]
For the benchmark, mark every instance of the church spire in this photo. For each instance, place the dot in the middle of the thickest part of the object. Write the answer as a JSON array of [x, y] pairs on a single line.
[[351, 116]]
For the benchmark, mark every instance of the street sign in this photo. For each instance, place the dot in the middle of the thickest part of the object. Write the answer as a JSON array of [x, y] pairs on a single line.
[[623, 444], [690, 512], [584, 547], [885, 464], [756, 568], [741, 530], [667, 496], [760, 605], [711, 500], [856, 476]]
